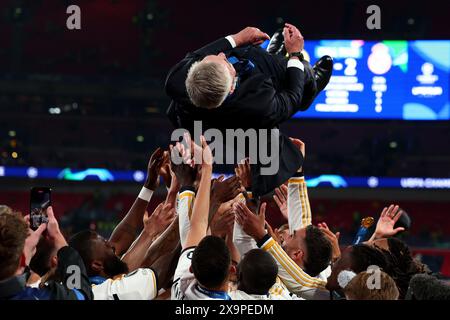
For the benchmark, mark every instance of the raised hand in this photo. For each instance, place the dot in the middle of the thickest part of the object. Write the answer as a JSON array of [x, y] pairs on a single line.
[[164, 170], [159, 220], [299, 144], [222, 224], [200, 216], [153, 169], [194, 154], [386, 223], [293, 39], [280, 198], [250, 35], [243, 171], [333, 238], [184, 172], [54, 235], [31, 242], [207, 154], [252, 224], [272, 233], [27, 220], [301, 147], [225, 190], [174, 185]]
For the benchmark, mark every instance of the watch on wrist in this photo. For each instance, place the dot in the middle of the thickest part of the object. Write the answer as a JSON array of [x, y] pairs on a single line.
[[296, 54]]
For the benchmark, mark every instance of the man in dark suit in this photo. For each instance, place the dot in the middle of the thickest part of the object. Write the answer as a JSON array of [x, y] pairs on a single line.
[[233, 83]]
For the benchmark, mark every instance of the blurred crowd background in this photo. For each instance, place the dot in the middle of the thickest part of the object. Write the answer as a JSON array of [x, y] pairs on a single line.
[[94, 98]]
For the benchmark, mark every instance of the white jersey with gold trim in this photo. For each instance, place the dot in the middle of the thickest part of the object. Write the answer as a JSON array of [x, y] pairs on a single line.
[[185, 201], [294, 278], [277, 292], [141, 284]]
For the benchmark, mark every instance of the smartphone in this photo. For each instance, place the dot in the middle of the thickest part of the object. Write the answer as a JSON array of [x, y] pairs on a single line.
[[40, 200]]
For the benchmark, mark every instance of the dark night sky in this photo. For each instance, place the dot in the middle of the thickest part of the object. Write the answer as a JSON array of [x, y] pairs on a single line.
[[41, 43]]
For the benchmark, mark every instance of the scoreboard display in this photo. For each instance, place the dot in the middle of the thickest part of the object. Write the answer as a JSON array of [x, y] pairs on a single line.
[[393, 79]]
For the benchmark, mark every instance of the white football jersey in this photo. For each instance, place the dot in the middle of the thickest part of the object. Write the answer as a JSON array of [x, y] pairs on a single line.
[[185, 201], [280, 292], [241, 295], [141, 284], [186, 287], [324, 274], [277, 292]]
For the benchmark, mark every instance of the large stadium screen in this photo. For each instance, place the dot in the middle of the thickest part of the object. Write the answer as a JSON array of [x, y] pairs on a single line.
[[394, 79]]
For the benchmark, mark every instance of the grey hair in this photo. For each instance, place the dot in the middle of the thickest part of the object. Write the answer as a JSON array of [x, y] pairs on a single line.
[[208, 84]]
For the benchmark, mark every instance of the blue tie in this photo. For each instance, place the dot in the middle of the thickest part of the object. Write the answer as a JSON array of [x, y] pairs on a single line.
[[243, 67]]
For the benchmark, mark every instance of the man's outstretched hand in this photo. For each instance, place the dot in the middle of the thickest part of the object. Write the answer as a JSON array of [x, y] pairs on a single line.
[[159, 220], [251, 223], [250, 35], [293, 39], [243, 171], [222, 224], [333, 238], [301, 147], [153, 168], [164, 170], [386, 222], [185, 174], [225, 190], [31, 242], [280, 197], [54, 234], [51, 232]]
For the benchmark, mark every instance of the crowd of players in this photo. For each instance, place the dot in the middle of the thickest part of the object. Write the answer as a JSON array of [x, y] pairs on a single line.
[[209, 239]]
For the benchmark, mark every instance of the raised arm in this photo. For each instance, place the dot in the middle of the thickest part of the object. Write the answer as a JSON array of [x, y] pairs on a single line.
[[235, 255], [174, 84], [299, 209], [125, 232], [223, 191], [166, 242], [293, 200], [222, 226], [284, 103], [247, 36], [69, 262], [386, 223], [243, 241], [154, 224], [280, 198], [244, 173], [295, 279], [170, 179], [186, 176], [199, 220]]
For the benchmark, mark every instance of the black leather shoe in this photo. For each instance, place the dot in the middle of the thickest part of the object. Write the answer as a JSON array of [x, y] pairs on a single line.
[[317, 79], [323, 69], [310, 90], [276, 43]]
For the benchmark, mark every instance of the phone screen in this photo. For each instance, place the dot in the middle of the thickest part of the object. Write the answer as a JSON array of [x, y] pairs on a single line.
[[40, 200]]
